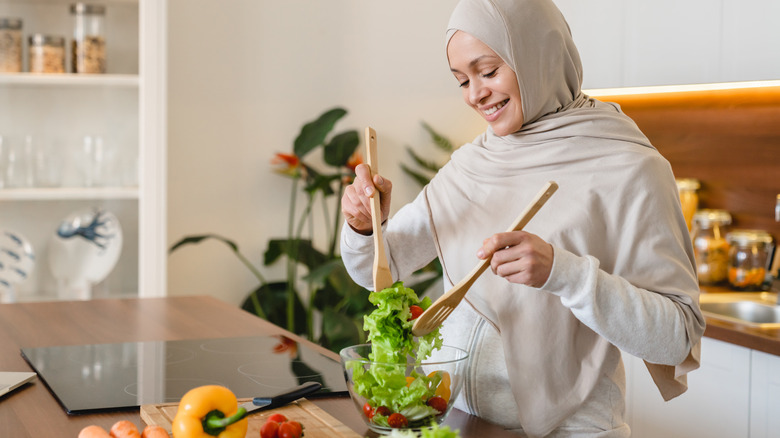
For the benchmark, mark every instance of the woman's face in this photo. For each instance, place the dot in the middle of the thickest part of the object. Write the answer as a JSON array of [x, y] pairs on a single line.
[[488, 84]]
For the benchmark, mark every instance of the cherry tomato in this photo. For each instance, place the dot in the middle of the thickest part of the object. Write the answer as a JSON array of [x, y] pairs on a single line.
[[438, 403], [416, 311], [297, 426], [269, 429], [279, 418], [383, 411], [397, 420], [289, 430], [368, 411]]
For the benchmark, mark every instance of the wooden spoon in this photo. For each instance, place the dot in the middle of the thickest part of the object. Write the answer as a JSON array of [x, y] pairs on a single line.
[[382, 276], [442, 307]]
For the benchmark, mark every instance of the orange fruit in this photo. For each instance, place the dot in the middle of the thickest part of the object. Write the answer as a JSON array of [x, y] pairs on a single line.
[[443, 390]]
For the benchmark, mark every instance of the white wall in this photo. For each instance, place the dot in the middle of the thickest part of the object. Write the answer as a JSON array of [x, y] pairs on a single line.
[[245, 75]]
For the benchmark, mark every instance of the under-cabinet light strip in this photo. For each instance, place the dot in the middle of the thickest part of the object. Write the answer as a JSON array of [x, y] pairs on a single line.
[[596, 92]]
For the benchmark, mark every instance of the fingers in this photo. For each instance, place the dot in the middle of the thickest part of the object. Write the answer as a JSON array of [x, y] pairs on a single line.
[[356, 201], [519, 257]]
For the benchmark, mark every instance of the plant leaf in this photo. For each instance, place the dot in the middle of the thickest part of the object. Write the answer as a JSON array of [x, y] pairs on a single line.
[[440, 141], [420, 178], [339, 330], [305, 253], [340, 148], [313, 133], [273, 300], [191, 240], [429, 165]]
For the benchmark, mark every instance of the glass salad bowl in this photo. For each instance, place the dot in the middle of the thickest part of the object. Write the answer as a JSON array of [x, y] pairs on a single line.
[[409, 395]]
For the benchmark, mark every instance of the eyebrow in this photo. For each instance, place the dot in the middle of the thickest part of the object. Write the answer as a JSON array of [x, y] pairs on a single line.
[[474, 62]]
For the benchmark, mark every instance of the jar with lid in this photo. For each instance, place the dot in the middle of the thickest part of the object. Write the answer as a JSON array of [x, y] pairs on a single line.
[[46, 54], [710, 247], [88, 51], [10, 45], [689, 198], [748, 258]]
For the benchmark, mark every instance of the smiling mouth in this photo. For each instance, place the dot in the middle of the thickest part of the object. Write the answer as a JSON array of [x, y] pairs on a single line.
[[495, 108]]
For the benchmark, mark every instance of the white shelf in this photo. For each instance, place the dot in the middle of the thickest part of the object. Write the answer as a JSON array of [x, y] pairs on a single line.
[[68, 79], [68, 194]]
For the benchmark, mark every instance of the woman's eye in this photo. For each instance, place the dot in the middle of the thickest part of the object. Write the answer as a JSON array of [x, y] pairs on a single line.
[[491, 74], [463, 84]]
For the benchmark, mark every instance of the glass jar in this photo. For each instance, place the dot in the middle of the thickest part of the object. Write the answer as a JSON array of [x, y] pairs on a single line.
[[10, 45], [748, 258], [689, 198], [88, 52], [710, 246], [46, 54]]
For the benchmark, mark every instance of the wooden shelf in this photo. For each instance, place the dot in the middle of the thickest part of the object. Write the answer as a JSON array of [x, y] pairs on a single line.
[[70, 80], [68, 194]]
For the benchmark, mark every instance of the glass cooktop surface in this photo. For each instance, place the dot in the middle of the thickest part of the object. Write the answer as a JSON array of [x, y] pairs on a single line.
[[88, 378]]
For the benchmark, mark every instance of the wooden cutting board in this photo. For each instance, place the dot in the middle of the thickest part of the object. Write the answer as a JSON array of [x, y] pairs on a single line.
[[316, 422]]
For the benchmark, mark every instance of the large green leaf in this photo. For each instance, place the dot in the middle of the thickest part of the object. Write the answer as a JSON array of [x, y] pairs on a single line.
[[273, 300], [304, 253], [340, 148], [316, 181], [339, 330], [313, 133], [191, 240]]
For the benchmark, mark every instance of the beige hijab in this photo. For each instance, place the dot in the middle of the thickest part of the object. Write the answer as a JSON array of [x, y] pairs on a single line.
[[617, 202]]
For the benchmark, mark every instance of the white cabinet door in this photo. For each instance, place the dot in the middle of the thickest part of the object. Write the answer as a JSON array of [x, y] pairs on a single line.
[[717, 402], [672, 42], [765, 396], [598, 29], [751, 40]]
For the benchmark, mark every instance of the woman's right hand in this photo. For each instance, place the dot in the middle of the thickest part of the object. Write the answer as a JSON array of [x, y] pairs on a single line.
[[356, 202]]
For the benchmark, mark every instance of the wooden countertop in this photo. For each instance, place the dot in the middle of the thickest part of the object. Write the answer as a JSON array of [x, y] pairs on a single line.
[[32, 410]]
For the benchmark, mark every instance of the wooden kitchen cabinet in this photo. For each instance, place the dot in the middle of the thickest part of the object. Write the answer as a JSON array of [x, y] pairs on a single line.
[[667, 42], [126, 108], [716, 405]]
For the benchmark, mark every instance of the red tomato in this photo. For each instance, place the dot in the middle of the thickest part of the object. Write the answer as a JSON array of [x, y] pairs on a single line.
[[416, 311], [298, 427], [437, 403], [279, 418], [383, 411], [289, 430], [368, 411], [269, 429], [397, 420]]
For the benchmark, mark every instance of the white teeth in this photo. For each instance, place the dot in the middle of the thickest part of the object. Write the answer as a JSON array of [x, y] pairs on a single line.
[[491, 110]]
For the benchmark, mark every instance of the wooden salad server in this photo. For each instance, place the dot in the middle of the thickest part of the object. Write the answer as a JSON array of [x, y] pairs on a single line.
[[382, 276], [442, 307]]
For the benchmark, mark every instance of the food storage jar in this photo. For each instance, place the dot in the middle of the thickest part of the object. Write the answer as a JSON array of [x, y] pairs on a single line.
[[46, 54], [689, 198], [710, 246], [89, 42], [748, 258], [10, 45]]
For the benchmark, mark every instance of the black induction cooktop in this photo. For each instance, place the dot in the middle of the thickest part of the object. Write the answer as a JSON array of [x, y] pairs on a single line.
[[97, 377]]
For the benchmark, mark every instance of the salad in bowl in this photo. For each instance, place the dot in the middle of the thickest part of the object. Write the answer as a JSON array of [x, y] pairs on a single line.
[[392, 380]]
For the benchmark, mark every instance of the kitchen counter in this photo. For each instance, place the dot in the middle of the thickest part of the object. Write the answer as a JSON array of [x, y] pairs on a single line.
[[32, 411], [766, 340]]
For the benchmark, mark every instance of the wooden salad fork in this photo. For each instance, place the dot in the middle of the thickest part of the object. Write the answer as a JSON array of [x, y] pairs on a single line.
[[442, 307], [382, 276]]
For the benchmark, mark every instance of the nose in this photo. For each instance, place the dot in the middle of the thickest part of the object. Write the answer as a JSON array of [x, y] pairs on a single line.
[[477, 92]]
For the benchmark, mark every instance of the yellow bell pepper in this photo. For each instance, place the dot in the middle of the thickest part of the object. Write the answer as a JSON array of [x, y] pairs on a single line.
[[209, 411]]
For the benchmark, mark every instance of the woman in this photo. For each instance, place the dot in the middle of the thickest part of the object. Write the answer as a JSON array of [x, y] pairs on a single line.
[[605, 266]]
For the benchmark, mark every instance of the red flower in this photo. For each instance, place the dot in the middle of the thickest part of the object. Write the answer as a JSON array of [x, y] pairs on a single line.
[[287, 164], [353, 162]]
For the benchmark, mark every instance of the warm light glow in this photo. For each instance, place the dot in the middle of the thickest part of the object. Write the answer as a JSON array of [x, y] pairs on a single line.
[[596, 92]]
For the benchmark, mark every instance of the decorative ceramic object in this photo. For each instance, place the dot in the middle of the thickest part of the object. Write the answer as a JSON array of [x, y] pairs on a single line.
[[17, 259], [83, 252]]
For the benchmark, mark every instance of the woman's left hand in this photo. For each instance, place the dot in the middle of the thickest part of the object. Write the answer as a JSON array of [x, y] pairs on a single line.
[[519, 257]]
